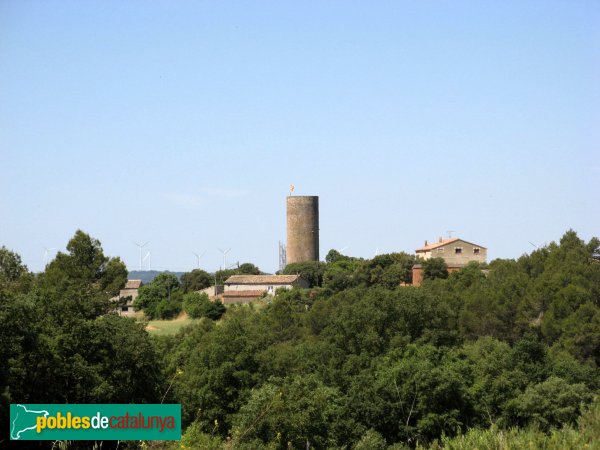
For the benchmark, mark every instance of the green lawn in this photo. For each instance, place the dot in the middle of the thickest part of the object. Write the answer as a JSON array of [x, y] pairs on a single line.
[[161, 327]]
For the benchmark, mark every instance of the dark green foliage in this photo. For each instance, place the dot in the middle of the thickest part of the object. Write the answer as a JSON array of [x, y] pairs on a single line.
[[295, 410], [248, 269], [425, 389], [14, 276], [584, 435], [434, 268], [11, 267], [387, 270], [344, 272], [364, 361], [80, 283], [59, 345], [334, 256], [198, 305], [371, 440], [245, 269], [196, 280], [359, 361], [311, 271], [215, 311], [219, 368], [85, 263], [160, 299], [222, 275], [341, 275], [553, 402]]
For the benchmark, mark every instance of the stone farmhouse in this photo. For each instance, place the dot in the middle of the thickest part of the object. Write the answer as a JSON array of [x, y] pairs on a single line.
[[245, 288], [456, 252], [130, 291]]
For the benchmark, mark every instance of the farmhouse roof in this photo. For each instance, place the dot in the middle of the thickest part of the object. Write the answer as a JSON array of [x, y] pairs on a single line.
[[133, 284], [443, 243], [262, 279], [249, 293]]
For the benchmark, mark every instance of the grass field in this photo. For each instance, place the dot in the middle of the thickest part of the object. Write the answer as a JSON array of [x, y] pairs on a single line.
[[161, 327]]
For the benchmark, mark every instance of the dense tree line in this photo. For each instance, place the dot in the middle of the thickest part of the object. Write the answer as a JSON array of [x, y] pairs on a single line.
[[360, 360], [360, 356], [58, 342]]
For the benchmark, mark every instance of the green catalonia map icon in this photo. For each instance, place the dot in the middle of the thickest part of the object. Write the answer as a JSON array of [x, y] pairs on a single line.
[[23, 420]]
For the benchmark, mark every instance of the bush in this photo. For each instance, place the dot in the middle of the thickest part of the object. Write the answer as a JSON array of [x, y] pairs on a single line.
[[198, 305], [553, 402]]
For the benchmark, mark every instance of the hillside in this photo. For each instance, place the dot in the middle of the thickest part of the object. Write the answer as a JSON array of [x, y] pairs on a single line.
[[148, 275]]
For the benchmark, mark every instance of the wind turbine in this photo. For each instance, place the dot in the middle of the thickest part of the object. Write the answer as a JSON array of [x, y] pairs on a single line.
[[199, 256], [46, 253], [141, 246], [149, 258], [225, 256]]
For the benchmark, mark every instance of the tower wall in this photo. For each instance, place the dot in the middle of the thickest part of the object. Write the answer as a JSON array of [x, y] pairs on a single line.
[[302, 229]]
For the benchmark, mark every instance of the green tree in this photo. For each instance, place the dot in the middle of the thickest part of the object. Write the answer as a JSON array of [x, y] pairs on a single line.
[[553, 402], [434, 268], [335, 256], [198, 305], [341, 275], [581, 333], [423, 393], [496, 379], [14, 276], [245, 269], [371, 440], [566, 278], [161, 298], [248, 269], [297, 411], [58, 345], [388, 270], [195, 280], [11, 267], [221, 276], [80, 283], [219, 367], [311, 271]]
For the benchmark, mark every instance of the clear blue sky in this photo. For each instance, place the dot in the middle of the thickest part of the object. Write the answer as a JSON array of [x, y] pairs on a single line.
[[184, 122]]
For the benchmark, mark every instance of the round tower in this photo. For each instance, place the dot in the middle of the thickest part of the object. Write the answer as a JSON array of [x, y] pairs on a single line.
[[302, 228]]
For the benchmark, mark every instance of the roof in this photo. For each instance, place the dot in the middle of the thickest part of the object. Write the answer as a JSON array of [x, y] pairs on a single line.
[[262, 279], [443, 243], [133, 284], [252, 294], [448, 265]]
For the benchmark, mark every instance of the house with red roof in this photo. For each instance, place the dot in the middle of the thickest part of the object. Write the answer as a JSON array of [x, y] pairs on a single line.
[[456, 252]]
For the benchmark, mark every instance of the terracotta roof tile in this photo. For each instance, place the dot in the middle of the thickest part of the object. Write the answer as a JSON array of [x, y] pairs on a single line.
[[243, 293], [437, 244], [262, 279], [444, 242]]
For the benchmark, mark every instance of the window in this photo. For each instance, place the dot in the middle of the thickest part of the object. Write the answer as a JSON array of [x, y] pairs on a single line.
[[124, 308], [441, 250], [476, 251], [457, 250]]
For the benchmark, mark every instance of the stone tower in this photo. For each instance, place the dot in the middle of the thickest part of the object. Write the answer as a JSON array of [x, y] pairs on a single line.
[[302, 228]]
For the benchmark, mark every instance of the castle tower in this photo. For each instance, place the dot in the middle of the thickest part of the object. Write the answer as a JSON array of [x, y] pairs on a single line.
[[302, 228]]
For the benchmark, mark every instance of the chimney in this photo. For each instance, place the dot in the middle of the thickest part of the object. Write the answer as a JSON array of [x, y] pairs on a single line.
[[440, 239], [425, 243]]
